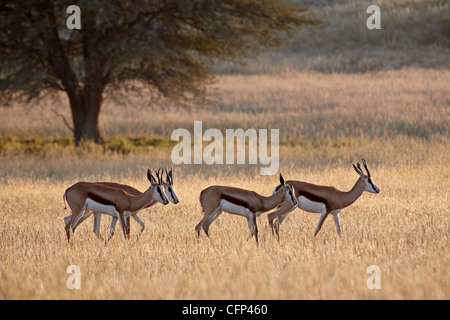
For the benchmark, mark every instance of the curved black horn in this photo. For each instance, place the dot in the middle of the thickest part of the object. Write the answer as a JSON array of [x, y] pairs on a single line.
[[167, 175], [159, 175]]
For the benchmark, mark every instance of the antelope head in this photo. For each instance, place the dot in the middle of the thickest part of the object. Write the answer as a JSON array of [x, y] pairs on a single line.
[[370, 186]]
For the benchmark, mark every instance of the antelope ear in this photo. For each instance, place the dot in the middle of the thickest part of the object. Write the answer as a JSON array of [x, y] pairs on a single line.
[[281, 179], [169, 176], [359, 170], [150, 176]]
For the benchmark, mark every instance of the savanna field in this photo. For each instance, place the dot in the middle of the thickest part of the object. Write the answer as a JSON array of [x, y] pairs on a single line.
[[400, 126], [395, 116]]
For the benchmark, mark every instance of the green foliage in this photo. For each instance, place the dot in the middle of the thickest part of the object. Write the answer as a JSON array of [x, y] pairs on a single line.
[[136, 145], [10, 145], [167, 46]]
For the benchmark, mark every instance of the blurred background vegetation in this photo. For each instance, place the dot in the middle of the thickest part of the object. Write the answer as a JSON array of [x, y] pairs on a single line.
[[414, 33], [336, 84]]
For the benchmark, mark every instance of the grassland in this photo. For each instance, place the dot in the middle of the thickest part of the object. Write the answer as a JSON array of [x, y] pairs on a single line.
[[404, 230], [331, 111]]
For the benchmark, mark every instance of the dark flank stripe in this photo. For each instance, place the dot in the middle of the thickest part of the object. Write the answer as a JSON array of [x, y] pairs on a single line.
[[99, 199], [315, 198], [235, 201], [312, 197]]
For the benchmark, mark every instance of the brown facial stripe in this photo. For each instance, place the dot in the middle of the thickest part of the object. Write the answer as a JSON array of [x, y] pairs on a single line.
[[171, 193], [99, 199], [160, 192], [277, 188], [235, 201], [373, 186], [292, 196]]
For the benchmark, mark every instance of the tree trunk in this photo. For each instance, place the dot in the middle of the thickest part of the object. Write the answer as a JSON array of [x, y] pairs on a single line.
[[88, 97], [85, 106]]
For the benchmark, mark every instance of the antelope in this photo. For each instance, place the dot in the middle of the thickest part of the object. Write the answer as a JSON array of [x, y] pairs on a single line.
[[169, 191], [108, 200], [322, 199], [246, 203]]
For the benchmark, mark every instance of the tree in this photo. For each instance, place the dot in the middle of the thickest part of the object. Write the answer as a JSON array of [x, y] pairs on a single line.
[[166, 46]]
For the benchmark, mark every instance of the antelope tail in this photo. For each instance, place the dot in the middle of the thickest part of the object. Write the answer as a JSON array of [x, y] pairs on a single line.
[[64, 199]]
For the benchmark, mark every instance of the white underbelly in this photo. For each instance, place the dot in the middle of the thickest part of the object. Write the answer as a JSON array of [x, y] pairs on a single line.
[[98, 207], [233, 208], [310, 206]]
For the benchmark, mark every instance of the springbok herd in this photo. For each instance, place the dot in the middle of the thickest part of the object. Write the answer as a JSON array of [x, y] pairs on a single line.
[[122, 202]]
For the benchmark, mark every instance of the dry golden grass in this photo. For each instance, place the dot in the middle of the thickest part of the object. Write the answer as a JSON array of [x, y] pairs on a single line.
[[397, 118], [306, 107], [404, 230]]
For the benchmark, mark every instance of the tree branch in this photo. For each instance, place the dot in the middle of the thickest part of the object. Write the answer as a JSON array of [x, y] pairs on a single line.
[[64, 120]]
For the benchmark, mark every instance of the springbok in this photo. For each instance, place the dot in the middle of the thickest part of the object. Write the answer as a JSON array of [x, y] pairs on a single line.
[[323, 199], [246, 203], [168, 189], [107, 200]]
